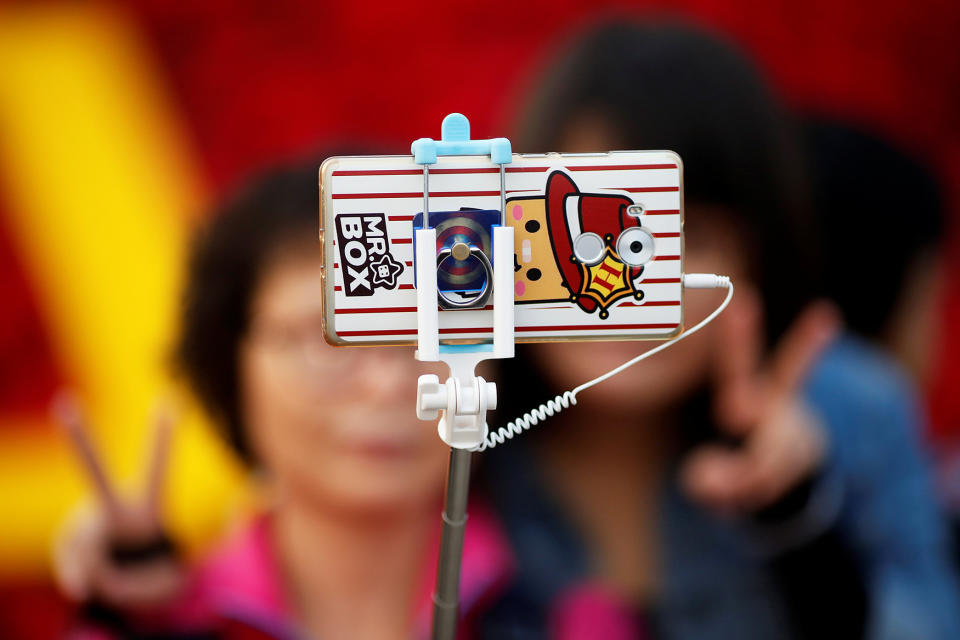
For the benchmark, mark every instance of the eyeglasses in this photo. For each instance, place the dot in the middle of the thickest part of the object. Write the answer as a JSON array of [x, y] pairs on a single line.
[[301, 351]]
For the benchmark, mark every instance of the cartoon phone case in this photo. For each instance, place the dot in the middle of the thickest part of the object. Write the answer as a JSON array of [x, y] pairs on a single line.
[[598, 244]]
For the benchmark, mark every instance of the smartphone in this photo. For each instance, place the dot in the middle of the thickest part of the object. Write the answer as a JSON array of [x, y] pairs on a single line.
[[598, 241]]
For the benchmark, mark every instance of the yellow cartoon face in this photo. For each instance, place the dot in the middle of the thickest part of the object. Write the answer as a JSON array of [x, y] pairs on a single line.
[[536, 276], [571, 246]]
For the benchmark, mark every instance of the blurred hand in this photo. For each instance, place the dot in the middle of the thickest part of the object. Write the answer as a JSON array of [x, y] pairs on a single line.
[[118, 552], [759, 402]]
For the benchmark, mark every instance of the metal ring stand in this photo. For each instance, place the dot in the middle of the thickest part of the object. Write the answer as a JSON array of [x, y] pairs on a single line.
[[481, 297]]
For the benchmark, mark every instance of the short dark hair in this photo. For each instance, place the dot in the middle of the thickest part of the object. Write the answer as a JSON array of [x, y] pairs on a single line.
[[226, 262], [665, 84], [879, 210]]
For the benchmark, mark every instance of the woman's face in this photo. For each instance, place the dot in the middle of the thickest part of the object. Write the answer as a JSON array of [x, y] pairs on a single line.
[[711, 245], [334, 426]]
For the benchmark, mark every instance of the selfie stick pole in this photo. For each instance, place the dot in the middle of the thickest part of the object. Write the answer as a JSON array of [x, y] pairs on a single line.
[[462, 401], [446, 594]]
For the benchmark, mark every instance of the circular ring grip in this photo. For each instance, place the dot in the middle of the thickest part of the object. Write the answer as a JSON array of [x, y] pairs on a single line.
[[480, 299]]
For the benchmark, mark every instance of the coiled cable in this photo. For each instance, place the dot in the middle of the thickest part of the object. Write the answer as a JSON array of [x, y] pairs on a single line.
[[567, 398]]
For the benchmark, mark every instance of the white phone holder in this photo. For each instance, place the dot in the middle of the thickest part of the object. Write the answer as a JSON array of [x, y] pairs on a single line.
[[463, 400]]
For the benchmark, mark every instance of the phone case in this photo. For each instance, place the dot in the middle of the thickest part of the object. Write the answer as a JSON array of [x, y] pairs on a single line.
[[598, 244]]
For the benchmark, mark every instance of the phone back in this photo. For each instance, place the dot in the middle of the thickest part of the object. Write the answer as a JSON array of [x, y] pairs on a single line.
[[598, 244]]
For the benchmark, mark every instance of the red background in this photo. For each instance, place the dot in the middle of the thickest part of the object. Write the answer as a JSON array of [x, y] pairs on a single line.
[[257, 81]]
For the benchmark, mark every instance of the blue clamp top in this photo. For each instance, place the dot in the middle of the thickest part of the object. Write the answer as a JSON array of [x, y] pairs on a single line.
[[455, 141]]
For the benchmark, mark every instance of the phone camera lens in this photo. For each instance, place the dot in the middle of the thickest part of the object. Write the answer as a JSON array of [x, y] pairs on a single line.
[[635, 246], [588, 248]]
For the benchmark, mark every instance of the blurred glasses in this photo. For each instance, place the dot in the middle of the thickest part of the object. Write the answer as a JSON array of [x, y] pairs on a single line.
[[299, 354]]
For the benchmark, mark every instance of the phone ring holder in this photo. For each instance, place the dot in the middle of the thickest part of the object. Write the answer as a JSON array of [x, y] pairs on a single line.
[[462, 251]]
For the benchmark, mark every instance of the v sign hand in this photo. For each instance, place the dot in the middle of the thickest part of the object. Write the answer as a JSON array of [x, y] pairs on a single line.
[[119, 553], [760, 402]]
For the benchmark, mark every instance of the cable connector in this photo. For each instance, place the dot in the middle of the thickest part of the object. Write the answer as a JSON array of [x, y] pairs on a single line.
[[705, 281]]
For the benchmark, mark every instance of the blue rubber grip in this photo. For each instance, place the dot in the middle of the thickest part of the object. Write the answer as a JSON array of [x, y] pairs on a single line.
[[455, 141]]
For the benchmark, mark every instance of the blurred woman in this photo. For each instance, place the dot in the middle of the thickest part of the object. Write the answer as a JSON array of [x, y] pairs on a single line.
[[347, 546], [759, 480]]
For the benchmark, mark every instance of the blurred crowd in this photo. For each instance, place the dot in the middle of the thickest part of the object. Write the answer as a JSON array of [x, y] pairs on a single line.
[[774, 476]]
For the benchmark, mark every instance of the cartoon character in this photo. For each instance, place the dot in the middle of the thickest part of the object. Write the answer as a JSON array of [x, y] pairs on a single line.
[[586, 248]]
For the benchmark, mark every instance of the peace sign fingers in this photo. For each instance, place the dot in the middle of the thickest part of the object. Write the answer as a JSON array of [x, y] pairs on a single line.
[[164, 419], [130, 517], [782, 442], [67, 411], [739, 351], [119, 553], [802, 345]]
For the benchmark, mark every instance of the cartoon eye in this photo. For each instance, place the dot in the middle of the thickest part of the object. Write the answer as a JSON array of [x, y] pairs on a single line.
[[588, 248], [635, 246]]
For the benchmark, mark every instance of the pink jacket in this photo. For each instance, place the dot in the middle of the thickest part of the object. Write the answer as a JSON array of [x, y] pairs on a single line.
[[236, 594]]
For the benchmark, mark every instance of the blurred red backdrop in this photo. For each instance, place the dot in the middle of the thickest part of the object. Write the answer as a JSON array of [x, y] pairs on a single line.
[[262, 81], [256, 81]]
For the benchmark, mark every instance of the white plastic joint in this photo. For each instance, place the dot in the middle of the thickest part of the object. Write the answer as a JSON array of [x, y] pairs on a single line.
[[462, 408]]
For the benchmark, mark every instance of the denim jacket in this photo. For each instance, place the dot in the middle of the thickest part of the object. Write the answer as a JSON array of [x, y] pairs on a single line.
[[874, 496]]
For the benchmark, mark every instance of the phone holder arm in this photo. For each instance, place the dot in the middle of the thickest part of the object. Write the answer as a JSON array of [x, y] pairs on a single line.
[[461, 402], [455, 141]]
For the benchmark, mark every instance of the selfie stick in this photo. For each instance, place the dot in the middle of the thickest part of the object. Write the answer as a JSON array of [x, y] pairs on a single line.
[[462, 401]]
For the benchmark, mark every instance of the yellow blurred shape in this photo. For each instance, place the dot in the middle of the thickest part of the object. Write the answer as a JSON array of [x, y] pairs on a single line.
[[102, 187]]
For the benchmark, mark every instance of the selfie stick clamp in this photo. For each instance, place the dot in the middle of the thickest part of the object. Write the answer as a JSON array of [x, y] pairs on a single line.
[[462, 401]]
